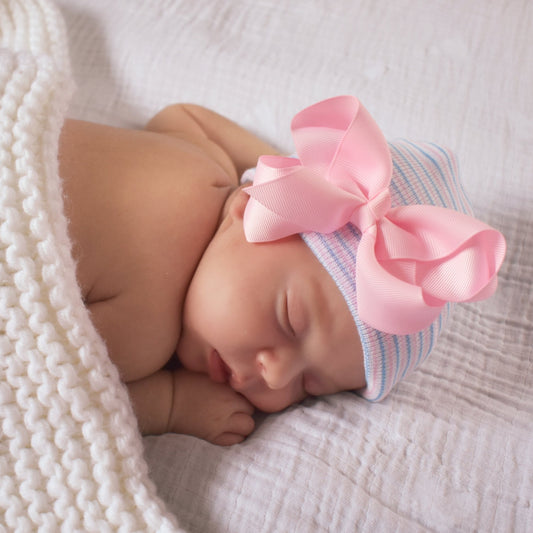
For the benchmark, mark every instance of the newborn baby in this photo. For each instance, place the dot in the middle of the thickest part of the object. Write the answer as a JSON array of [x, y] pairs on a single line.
[[253, 289]]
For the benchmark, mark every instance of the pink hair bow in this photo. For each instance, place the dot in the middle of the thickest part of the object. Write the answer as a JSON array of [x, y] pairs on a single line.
[[412, 259]]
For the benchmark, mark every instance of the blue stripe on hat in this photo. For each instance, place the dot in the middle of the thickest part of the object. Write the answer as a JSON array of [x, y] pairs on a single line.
[[426, 173], [443, 182], [459, 189]]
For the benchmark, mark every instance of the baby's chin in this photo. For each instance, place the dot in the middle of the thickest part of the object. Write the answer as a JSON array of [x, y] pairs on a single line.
[[269, 402]]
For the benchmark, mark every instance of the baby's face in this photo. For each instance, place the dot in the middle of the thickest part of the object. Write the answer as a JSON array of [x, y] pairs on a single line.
[[268, 319]]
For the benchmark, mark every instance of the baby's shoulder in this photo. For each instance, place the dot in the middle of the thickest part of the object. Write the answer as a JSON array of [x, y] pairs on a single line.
[[137, 154], [139, 204]]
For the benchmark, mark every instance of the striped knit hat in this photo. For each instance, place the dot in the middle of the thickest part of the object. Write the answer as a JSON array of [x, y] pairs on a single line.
[[423, 173], [389, 222]]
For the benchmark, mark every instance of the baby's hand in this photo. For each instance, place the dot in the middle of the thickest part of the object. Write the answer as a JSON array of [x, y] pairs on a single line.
[[208, 410]]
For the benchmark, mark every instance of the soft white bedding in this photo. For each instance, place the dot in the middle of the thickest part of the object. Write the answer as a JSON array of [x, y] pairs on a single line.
[[452, 448]]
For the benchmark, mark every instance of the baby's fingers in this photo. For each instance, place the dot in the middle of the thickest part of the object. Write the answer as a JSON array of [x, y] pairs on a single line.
[[244, 406], [239, 426], [240, 423]]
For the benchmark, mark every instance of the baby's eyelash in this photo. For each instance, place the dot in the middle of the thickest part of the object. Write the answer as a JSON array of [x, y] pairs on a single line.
[[288, 316]]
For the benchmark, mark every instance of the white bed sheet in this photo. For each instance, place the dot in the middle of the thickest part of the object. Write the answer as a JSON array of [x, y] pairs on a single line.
[[452, 448]]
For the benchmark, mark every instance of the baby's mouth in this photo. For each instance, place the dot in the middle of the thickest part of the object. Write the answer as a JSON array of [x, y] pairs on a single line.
[[218, 371]]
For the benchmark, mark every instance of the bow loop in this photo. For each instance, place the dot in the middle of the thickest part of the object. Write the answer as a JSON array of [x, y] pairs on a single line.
[[344, 161], [411, 260]]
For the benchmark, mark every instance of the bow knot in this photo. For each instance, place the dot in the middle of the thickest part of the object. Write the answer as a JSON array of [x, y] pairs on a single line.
[[369, 213], [416, 258]]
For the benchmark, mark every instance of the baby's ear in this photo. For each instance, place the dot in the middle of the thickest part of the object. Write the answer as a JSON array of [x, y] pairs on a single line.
[[237, 203]]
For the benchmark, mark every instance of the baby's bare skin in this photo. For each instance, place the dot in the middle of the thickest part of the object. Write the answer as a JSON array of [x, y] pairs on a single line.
[[142, 206]]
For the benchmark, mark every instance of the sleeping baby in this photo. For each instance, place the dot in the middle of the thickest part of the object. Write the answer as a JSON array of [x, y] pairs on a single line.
[[335, 270]]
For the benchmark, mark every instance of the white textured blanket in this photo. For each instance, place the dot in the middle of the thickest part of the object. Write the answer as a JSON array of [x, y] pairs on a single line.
[[70, 456], [451, 450]]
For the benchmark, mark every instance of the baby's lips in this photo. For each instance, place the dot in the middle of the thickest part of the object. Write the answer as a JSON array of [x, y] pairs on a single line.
[[217, 369]]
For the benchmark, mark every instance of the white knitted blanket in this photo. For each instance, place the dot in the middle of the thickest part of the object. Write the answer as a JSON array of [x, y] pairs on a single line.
[[70, 455]]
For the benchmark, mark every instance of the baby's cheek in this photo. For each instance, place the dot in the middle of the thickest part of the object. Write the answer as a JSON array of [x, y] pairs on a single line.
[[314, 387]]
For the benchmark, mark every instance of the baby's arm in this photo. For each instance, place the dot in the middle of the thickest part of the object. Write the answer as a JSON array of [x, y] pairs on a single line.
[[186, 402], [190, 120]]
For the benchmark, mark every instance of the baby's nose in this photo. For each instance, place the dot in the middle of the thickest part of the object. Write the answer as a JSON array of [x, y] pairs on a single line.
[[278, 367]]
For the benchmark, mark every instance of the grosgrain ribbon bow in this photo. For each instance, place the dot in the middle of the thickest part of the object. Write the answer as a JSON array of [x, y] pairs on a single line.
[[412, 259]]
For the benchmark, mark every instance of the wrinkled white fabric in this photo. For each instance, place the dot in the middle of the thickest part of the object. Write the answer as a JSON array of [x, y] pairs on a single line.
[[70, 453], [451, 448]]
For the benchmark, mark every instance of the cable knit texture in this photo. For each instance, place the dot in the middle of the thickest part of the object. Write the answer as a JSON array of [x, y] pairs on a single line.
[[71, 458]]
